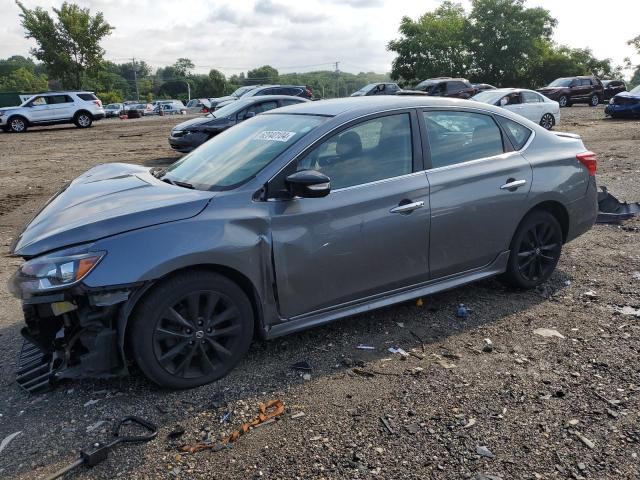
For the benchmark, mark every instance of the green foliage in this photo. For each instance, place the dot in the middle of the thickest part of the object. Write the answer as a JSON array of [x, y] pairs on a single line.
[[109, 97], [262, 75], [69, 46], [23, 80], [326, 84], [500, 42], [183, 67]]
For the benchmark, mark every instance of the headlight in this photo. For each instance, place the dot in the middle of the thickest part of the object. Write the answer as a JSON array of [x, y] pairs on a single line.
[[611, 102], [54, 271], [1, 114]]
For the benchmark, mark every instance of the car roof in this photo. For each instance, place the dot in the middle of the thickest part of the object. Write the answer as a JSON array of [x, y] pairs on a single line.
[[262, 98], [357, 106]]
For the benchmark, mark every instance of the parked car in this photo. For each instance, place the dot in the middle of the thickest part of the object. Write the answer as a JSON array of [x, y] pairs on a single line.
[[113, 110], [292, 219], [479, 87], [198, 105], [529, 104], [569, 90], [170, 107], [188, 135], [447, 87], [138, 110], [624, 104], [289, 90], [79, 108], [612, 88], [239, 92], [385, 88]]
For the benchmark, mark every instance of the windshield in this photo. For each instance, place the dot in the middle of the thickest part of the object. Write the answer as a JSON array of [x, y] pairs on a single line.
[[635, 91], [488, 96], [112, 106], [366, 88], [561, 82], [237, 154], [230, 109], [241, 91]]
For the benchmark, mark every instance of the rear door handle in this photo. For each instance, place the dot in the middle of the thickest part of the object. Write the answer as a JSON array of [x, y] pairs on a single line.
[[512, 184], [407, 207]]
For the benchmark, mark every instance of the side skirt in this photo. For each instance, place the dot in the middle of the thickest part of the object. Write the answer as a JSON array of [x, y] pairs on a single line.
[[322, 317]]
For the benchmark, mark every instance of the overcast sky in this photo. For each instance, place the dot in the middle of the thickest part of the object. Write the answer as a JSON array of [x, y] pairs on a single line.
[[236, 35]]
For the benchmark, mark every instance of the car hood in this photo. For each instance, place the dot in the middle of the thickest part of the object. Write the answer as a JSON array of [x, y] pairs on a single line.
[[635, 96], [197, 122], [7, 109], [216, 101], [107, 200]]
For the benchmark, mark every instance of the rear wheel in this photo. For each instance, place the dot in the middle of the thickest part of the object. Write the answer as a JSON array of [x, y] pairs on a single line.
[[83, 120], [535, 250], [191, 330], [594, 100], [547, 121], [564, 101], [17, 125]]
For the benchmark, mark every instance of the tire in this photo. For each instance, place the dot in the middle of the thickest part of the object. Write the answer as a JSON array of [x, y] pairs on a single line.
[[535, 251], [191, 330], [18, 124], [564, 101], [547, 121], [594, 100], [83, 120]]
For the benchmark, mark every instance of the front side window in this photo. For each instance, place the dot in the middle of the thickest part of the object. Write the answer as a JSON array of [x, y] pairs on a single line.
[[237, 154], [38, 101], [457, 137], [369, 151]]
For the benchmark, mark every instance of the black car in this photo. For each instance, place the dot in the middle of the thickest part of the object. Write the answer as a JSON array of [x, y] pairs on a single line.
[[188, 135], [612, 88], [481, 87], [384, 88], [289, 90]]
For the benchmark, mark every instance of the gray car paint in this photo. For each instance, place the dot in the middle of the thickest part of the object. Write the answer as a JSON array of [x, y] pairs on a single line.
[[335, 250]]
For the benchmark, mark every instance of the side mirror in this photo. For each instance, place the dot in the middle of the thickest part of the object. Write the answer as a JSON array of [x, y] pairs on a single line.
[[249, 115], [308, 184]]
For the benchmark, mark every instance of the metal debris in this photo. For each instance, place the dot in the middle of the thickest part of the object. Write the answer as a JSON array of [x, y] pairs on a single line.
[[612, 210], [8, 440], [398, 350], [365, 347], [548, 332], [387, 425], [584, 440]]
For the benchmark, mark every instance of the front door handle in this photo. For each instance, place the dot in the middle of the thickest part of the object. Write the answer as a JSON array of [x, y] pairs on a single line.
[[512, 184], [407, 207]]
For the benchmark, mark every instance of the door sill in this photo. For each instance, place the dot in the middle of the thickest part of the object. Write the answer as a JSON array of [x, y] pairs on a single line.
[[320, 317]]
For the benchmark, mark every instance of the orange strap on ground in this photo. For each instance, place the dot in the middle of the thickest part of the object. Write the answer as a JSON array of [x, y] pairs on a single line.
[[266, 411]]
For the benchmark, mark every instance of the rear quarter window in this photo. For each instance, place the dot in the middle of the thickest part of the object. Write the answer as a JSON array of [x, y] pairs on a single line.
[[518, 134], [87, 96]]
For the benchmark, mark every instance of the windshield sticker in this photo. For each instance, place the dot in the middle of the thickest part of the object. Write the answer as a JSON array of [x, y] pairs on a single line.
[[274, 136]]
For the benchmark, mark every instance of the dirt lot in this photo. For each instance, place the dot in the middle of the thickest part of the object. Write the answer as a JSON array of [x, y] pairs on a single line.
[[544, 407]]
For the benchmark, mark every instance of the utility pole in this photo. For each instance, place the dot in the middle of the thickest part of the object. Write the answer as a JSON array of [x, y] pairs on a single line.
[[337, 72], [135, 78]]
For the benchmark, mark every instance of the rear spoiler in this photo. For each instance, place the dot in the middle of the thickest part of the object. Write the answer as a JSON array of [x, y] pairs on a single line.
[[574, 136]]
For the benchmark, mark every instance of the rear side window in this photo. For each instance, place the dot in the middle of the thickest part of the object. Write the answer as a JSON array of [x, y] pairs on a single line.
[[56, 99], [455, 87], [518, 134], [87, 96], [457, 137], [530, 97], [585, 82]]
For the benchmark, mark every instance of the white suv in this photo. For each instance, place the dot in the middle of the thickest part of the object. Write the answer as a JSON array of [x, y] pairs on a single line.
[[80, 108]]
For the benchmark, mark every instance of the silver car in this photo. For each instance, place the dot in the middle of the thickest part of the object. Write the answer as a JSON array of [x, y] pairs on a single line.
[[294, 218]]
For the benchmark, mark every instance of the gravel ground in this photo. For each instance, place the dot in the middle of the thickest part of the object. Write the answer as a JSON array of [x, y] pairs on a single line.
[[527, 407]]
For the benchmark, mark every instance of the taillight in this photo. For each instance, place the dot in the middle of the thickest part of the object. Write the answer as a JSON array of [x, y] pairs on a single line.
[[589, 160], [98, 103]]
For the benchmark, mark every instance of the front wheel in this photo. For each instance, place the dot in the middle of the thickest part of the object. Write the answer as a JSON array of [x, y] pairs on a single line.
[[547, 121], [191, 329], [594, 100], [83, 120], [563, 101], [535, 251], [17, 125]]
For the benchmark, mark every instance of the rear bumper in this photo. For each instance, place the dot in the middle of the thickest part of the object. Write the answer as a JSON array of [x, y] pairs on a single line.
[[99, 116], [583, 212]]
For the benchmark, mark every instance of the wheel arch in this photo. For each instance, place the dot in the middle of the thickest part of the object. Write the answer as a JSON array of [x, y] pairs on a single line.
[[82, 110], [555, 208], [17, 115], [232, 274]]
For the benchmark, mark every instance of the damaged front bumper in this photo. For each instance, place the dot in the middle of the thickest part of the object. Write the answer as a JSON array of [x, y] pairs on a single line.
[[71, 335]]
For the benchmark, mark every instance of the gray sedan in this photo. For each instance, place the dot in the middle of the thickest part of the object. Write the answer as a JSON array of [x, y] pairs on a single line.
[[294, 218]]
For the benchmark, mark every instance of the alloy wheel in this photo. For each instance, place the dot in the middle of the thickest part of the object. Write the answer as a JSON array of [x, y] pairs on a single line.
[[18, 125], [84, 120], [539, 251], [197, 335], [594, 101], [547, 121], [563, 101]]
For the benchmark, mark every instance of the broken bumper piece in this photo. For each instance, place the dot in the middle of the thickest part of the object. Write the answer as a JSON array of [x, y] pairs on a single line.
[[612, 210], [68, 337]]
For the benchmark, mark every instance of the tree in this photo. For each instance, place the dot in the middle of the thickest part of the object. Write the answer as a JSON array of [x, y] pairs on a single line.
[[434, 45], [23, 80], [68, 45], [262, 75], [218, 82], [183, 67]]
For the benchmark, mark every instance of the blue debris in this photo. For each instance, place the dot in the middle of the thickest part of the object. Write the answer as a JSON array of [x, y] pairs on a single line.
[[462, 312]]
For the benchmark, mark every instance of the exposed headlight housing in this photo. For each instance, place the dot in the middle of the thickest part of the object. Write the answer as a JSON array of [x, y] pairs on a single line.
[[54, 271]]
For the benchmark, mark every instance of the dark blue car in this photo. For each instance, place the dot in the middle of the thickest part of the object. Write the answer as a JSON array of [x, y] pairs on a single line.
[[624, 104]]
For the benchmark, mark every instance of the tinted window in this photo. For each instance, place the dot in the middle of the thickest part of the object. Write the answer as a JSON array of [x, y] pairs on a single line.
[[263, 107], [392, 87], [455, 87], [266, 91], [55, 99], [518, 134], [372, 150], [561, 82], [456, 137], [511, 99], [585, 82], [530, 97], [87, 96], [289, 102]]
